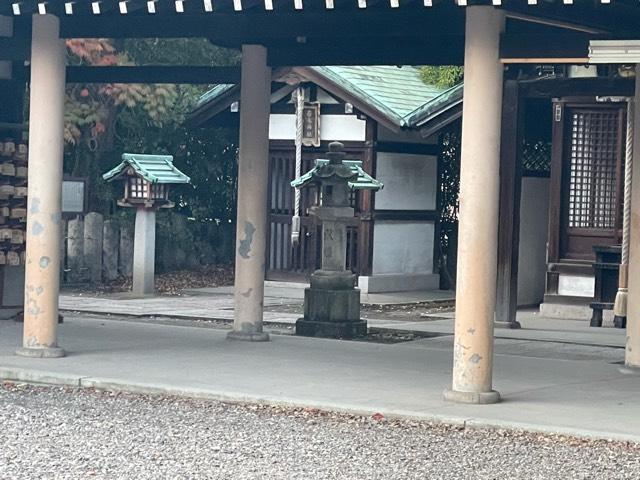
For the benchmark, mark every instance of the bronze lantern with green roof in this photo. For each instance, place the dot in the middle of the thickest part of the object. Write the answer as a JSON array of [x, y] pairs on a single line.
[[146, 188], [146, 179]]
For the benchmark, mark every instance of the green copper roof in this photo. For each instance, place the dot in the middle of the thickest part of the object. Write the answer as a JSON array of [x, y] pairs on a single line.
[[394, 91], [153, 168], [213, 94], [363, 181], [437, 105]]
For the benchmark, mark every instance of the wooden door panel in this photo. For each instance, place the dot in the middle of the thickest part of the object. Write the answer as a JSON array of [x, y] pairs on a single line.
[[591, 178], [285, 262]]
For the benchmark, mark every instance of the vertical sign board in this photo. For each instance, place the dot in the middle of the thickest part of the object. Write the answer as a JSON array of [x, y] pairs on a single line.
[[74, 194], [311, 124]]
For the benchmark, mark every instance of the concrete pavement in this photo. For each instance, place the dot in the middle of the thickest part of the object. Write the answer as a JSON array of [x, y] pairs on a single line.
[[219, 306], [585, 398], [295, 291]]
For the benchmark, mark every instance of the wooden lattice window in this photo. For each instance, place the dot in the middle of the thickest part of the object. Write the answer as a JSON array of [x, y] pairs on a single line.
[[137, 187], [159, 191], [593, 162]]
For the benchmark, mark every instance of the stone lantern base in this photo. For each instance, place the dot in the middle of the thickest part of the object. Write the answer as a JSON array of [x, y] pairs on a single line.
[[332, 307]]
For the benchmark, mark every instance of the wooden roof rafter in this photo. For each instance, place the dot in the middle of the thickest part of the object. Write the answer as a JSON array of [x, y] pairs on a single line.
[[364, 32]]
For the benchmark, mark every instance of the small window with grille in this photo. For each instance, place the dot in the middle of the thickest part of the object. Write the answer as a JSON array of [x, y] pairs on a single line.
[[594, 156], [137, 187], [158, 191]]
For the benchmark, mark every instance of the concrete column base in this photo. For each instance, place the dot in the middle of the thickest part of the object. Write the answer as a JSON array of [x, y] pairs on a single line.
[[40, 352], [347, 330], [619, 321], [629, 370], [477, 398], [331, 313], [510, 325], [248, 336]]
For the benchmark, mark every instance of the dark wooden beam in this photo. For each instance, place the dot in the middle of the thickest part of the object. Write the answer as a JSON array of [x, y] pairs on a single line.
[[440, 50], [509, 225], [412, 148], [154, 74], [617, 17], [577, 87], [14, 49], [366, 202], [571, 47], [407, 215], [246, 27]]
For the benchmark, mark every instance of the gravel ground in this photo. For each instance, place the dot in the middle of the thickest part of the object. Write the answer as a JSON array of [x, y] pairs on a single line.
[[49, 432]]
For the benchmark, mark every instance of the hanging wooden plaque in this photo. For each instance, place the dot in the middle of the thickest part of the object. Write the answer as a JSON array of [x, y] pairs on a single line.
[[311, 124]]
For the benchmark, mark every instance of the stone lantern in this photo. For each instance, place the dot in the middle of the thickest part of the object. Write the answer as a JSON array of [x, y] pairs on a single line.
[[332, 302], [146, 188]]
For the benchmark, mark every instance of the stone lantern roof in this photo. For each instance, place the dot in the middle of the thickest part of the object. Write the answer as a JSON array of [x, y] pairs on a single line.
[[337, 166], [153, 168]]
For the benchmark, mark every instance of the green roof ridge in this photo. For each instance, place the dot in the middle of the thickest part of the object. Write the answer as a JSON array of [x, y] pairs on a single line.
[[363, 181], [447, 97], [153, 168], [393, 99]]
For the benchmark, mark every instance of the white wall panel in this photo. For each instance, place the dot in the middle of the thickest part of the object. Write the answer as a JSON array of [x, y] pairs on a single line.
[[342, 128], [410, 181], [402, 247], [534, 225]]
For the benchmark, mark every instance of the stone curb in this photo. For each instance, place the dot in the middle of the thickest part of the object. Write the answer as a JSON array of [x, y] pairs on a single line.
[[173, 315], [116, 385], [380, 328], [35, 376]]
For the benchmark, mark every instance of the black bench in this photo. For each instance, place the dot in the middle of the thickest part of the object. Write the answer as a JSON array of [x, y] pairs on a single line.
[[606, 269]]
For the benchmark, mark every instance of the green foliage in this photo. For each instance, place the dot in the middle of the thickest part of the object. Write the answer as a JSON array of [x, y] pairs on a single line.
[[103, 121], [179, 51], [443, 77], [449, 202]]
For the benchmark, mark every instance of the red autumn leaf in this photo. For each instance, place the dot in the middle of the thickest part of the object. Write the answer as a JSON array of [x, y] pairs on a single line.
[[100, 127]]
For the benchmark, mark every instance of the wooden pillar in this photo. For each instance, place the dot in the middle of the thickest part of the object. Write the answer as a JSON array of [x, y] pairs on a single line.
[[509, 219], [46, 126], [632, 352], [253, 180], [366, 205], [479, 197]]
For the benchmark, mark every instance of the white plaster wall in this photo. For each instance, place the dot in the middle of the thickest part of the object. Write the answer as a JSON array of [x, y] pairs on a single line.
[[402, 247], [344, 128], [534, 225], [410, 181]]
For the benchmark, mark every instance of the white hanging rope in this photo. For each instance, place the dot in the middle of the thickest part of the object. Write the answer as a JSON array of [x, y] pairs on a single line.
[[295, 221], [620, 305], [628, 167]]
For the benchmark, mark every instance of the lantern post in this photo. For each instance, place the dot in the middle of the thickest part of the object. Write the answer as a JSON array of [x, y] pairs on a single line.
[[146, 181]]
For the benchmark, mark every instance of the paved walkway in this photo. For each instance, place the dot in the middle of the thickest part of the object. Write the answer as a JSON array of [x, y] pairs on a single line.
[[587, 397], [219, 306], [289, 291], [211, 307]]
